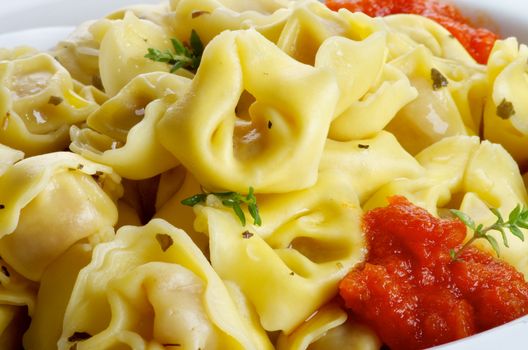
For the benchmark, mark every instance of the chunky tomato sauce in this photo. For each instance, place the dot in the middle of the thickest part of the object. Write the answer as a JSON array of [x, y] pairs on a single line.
[[478, 41], [412, 293]]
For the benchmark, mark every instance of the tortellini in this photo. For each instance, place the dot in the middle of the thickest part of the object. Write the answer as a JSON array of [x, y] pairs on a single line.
[[308, 26], [121, 133], [156, 13], [79, 52], [370, 163], [308, 241], [38, 104], [152, 287], [506, 113], [443, 108], [371, 113], [320, 114], [282, 138], [49, 202], [211, 17], [123, 48], [426, 32]]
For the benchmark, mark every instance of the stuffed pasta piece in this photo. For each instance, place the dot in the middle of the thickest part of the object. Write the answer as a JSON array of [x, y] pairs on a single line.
[[264, 126], [211, 17], [50, 202], [506, 113], [449, 102], [38, 103], [122, 134], [152, 288], [123, 47], [289, 266]]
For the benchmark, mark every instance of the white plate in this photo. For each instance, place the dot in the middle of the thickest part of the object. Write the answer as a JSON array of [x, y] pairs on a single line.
[[41, 23]]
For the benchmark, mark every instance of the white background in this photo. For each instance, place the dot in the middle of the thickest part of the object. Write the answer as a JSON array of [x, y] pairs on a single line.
[[55, 18], [23, 14]]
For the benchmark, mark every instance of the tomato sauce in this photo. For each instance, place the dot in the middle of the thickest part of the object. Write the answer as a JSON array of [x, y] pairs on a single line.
[[411, 291], [477, 41]]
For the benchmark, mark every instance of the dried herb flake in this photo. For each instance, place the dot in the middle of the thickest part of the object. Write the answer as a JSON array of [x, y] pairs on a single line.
[[439, 81], [363, 146], [247, 235], [165, 241], [505, 109], [55, 100]]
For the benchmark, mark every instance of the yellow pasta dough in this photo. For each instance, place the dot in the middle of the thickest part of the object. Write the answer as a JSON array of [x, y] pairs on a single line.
[[49, 203], [150, 287], [121, 133], [38, 103], [132, 239], [285, 135]]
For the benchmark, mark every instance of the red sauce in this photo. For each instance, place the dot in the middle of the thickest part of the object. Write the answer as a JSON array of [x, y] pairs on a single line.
[[414, 295], [477, 41]]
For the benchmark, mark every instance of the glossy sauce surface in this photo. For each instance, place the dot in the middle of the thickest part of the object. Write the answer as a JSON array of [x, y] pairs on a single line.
[[414, 295]]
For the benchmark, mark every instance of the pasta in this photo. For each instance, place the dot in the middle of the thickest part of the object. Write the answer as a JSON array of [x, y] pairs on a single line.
[[38, 104], [193, 174], [121, 133], [145, 282], [202, 129], [50, 202]]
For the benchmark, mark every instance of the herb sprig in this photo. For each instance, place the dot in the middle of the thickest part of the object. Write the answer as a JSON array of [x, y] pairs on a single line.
[[184, 56], [232, 200], [517, 219]]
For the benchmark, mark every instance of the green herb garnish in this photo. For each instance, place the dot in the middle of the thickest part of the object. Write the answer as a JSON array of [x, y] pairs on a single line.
[[505, 109], [517, 219], [439, 81], [184, 56], [232, 200]]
